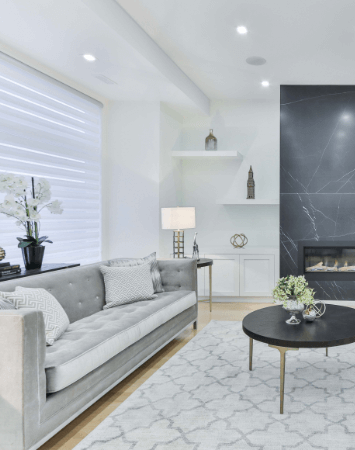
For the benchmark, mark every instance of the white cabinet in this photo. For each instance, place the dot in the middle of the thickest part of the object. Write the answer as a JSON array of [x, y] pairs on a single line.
[[249, 273], [257, 275], [225, 275]]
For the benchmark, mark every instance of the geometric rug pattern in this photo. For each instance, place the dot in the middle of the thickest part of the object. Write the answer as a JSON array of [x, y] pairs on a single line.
[[205, 398]]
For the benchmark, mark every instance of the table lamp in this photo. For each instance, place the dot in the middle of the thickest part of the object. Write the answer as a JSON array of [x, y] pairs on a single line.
[[178, 219]]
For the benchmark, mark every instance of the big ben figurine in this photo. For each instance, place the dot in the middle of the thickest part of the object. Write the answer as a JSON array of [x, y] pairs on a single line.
[[251, 185]]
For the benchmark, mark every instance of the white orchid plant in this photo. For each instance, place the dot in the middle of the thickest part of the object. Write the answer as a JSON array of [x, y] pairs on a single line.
[[24, 202], [293, 286]]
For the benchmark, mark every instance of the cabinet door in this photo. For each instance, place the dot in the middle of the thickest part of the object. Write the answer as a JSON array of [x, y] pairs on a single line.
[[257, 275], [225, 276]]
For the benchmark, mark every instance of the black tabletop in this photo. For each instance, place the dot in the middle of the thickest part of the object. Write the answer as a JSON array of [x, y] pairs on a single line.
[[203, 262], [335, 327], [45, 268]]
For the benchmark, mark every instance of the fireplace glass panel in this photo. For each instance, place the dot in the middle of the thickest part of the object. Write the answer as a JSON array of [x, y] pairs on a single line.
[[329, 259]]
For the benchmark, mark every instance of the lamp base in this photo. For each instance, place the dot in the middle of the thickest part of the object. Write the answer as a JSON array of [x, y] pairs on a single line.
[[178, 244]]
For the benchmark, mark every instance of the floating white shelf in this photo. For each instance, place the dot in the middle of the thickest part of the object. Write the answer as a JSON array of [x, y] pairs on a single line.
[[233, 201], [200, 154]]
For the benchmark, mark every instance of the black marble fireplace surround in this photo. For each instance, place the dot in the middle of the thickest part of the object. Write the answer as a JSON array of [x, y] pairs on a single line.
[[317, 180]]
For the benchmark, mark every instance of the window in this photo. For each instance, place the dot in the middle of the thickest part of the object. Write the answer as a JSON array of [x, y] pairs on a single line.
[[52, 131]]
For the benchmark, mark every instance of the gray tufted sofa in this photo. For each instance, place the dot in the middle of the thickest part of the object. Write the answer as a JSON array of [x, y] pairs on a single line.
[[43, 388]]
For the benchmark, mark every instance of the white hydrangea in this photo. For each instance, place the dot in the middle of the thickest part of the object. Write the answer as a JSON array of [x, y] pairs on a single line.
[[293, 286]]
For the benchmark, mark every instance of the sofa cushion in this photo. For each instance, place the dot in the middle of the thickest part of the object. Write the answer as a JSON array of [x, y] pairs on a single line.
[[55, 318], [80, 290], [6, 304], [91, 341], [154, 268], [127, 284]]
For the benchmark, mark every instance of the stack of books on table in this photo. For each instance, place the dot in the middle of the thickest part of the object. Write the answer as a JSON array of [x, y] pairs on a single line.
[[8, 269]]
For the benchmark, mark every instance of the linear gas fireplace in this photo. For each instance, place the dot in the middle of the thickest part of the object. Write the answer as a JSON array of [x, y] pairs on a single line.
[[326, 260]]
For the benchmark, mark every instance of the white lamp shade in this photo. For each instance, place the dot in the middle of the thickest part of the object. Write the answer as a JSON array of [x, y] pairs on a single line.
[[178, 218]]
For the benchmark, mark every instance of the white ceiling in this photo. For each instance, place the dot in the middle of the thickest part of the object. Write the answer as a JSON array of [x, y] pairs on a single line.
[[57, 34], [303, 41]]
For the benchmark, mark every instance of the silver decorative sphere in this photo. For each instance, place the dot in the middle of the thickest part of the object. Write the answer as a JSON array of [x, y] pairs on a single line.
[[2, 254]]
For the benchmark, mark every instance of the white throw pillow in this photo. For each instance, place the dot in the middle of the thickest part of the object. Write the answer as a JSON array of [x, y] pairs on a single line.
[[127, 284], [56, 320], [5, 303], [154, 269]]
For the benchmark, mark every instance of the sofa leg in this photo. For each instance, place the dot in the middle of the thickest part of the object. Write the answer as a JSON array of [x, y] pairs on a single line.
[[195, 325]]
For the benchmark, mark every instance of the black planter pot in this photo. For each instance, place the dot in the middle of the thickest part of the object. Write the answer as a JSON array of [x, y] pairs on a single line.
[[33, 256]]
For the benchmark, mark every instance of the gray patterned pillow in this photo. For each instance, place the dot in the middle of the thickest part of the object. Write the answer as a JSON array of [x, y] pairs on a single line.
[[5, 303], [154, 269], [56, 320], [127, 284]]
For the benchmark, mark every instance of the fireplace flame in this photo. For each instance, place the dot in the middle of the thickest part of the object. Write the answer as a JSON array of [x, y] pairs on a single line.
[[323, 267]]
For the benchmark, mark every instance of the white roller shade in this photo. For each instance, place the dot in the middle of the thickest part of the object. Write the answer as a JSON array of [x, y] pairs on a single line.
[[52, 131]]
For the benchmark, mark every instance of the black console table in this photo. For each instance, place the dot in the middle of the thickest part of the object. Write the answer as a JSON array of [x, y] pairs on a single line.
[[206, 262], [45, 268]]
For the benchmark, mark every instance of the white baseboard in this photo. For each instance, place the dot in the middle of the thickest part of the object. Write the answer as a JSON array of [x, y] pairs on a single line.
[[239, 299], [245, 300], [350, 303]]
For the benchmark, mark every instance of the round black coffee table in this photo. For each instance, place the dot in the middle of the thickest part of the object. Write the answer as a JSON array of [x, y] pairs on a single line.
[[268, 325]]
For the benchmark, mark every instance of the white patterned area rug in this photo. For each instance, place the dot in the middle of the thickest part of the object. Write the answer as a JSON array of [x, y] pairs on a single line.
[[205, 398]]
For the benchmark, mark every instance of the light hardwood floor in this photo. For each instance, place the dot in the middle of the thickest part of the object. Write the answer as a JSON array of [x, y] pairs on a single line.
[[72, 434]]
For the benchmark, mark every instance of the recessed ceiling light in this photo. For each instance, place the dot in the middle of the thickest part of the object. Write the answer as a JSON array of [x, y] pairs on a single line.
[[242, 30], [89, 57], [265, 83], [256, 61]]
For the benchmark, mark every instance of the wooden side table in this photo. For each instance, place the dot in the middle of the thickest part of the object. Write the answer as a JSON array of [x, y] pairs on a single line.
[[206, 262]]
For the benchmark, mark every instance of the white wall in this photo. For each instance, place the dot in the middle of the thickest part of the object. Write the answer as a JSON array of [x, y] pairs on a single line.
[[140, 176], [170, 188], [130, 179], [252, 128]]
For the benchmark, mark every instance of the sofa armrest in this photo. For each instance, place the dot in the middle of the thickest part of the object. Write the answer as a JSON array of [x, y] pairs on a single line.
[[22, 376], [178, 274]]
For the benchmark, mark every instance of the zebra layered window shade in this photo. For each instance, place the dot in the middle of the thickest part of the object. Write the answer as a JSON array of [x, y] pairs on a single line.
[[51, 131]]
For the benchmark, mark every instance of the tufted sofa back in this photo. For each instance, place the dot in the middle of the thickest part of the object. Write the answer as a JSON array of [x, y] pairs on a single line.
[[80, 290], [178, 274]]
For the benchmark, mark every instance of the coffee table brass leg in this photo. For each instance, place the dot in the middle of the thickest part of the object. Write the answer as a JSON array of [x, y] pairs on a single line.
[[326, 351], [282, 351], [250, 354]]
